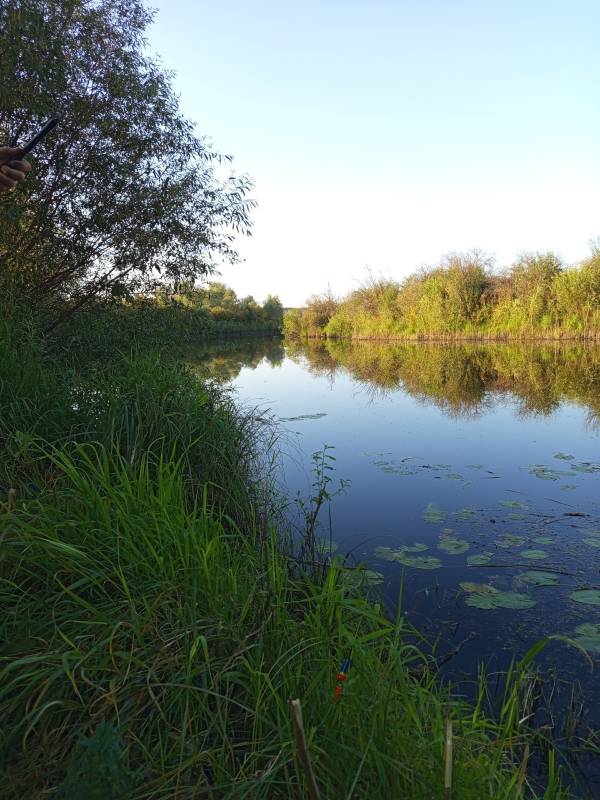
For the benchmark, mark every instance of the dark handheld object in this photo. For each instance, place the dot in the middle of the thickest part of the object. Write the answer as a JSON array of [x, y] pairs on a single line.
[[28, 147]]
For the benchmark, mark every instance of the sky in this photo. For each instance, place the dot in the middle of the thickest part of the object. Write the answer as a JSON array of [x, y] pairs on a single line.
[[382, 134]]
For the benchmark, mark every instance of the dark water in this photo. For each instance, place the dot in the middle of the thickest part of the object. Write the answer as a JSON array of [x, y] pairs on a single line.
[[486, 451]]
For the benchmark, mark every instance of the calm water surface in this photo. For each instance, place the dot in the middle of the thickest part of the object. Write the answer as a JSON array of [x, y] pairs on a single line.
[[456, 455]]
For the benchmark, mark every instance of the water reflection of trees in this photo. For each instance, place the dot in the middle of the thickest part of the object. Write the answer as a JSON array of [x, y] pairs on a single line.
[[464, 379], [224, 359]]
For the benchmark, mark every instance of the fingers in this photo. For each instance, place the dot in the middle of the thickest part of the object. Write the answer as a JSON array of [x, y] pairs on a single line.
[[8, 153], [6, 182], [20, 165], [13, 173]]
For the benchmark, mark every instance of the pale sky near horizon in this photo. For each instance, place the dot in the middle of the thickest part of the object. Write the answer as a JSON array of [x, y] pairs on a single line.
[[384, 134]]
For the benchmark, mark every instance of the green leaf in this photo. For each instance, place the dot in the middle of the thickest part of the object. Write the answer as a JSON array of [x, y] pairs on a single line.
[[589, 596], [513, 600], [534, 555], [538, 578], [433, 514]]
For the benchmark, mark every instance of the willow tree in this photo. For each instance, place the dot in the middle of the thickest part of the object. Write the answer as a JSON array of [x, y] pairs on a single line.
[[124, 195]]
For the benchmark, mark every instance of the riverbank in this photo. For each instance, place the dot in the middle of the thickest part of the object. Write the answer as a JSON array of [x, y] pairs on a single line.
[[157, 619], [464, 298], [456, 337]]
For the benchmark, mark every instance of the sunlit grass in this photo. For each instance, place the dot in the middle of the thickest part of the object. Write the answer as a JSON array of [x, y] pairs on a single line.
[[155, 622]]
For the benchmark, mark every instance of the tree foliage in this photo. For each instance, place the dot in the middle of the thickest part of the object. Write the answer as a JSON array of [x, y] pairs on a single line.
[[124, 194], [462, 295]]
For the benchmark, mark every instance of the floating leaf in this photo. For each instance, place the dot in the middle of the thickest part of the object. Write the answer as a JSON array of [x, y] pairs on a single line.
[[433, 514], [538, 578], [480, 588], [387, 554], [454, 476], [361, 577], [510, 540], [514, 504], [517, 516], [418, 547], [303, 416], [452, 545], [420, 562], [568, 487], [543, 540], [564, 456], [475, 466], [479, 560], [534, 555], [586, 467], [589, 596], [588, 636], [548, 474], [515, 600], [465, 513]]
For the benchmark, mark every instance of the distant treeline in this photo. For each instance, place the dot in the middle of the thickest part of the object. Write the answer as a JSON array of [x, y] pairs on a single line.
[[463, 297], [217, 308], [170, 317]]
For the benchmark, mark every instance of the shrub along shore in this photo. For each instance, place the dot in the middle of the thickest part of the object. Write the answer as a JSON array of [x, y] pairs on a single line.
[[464, 298], [157, 616]]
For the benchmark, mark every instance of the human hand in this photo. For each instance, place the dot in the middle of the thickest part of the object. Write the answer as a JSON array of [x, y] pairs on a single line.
[[13, 170]]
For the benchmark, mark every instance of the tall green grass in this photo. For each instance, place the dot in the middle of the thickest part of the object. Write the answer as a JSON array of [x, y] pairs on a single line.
[[155, 622], [127, 604]]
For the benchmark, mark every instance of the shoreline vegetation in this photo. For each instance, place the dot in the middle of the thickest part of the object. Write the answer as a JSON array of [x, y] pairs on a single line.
[[159, 612], [464, 299]]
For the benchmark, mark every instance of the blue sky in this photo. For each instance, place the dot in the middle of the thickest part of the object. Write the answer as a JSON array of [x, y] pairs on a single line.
[[384, 134]]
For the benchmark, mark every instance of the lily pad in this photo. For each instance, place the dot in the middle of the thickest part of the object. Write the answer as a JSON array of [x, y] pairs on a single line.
[[417, 547], [454, 476], [362, 577], [588, 636], [538, 578], [586, 467], [534, 555], [387, 554], [515, 600], [589, 596], [517, 516], [465, 513], [303, 416], [420, 562], [564, 456], [480, 588], [568, 487], [513, 504], [479, 560], [547, 473], [543, 540], [452, 545], [510, 540], [433, 514]]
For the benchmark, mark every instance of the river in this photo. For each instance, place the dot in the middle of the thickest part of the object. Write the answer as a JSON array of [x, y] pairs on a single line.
[[474, 476]]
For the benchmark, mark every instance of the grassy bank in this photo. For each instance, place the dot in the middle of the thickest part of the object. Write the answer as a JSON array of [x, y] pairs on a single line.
[[156, 623], [464, 298]]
